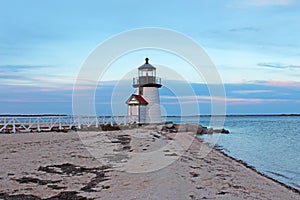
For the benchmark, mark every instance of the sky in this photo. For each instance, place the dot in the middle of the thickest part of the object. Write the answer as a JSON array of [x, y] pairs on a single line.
[[254, 45]]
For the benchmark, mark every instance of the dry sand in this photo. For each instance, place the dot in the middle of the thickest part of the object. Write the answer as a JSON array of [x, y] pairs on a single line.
[[131, 164]]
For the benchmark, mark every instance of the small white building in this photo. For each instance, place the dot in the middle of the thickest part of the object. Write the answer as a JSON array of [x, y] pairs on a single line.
[[137, 108], [144, 105]]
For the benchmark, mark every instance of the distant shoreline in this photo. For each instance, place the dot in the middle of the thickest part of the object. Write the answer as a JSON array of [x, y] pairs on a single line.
[[229, 115], [236, 115]]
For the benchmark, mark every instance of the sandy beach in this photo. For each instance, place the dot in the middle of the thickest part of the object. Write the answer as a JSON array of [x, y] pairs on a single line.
[[127, 164]]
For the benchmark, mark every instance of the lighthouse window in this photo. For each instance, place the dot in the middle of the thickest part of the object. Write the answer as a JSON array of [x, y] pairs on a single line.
[[150, 73], [147, 73]]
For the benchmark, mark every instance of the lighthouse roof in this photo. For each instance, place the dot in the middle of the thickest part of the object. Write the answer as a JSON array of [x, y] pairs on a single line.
[[136, 99], [147, 66]]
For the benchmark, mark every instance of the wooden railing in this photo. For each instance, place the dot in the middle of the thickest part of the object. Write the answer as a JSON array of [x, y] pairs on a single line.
[[15, 124]]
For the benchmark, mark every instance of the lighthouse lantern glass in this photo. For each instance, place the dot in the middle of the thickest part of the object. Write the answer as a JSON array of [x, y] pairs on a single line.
[[147, 72]]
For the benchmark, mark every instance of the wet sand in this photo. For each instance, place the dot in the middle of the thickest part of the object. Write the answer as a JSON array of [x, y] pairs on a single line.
[[129, 164]]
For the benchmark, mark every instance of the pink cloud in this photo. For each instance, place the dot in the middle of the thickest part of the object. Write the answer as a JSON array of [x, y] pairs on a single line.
[[283, 83], [228, 100], [279, 83]]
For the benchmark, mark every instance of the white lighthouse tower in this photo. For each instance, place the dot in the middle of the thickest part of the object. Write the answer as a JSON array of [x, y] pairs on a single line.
[[143, 106]]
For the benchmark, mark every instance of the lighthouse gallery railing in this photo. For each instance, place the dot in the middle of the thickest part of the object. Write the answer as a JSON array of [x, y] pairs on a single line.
[[146, 80]]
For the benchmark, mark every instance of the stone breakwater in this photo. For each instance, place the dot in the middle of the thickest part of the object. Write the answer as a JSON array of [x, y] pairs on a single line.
[[198, 129], [166, 127]]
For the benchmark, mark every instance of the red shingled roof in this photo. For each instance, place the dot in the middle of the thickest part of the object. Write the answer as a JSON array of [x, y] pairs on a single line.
[[139, 98]]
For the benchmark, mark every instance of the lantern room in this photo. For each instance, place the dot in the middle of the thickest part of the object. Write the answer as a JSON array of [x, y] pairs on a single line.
[[146, 76], [147, 69]]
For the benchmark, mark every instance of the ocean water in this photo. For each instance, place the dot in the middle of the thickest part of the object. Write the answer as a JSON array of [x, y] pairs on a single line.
[[271, 144]]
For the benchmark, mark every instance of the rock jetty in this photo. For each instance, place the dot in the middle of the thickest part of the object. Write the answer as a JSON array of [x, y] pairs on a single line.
[[198, 129]]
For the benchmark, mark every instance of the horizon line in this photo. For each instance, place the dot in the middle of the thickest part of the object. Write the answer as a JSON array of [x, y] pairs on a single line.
[[200, 115]]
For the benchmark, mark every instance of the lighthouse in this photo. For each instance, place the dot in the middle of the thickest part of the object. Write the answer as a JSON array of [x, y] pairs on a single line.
[[143, 106]]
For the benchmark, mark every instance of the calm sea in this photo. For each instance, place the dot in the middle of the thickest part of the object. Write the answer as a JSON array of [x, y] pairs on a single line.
[[269, 143]]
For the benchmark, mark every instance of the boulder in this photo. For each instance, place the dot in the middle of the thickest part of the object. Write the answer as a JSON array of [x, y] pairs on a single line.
[[181, 128], [204, 131], [210, 131], [169, 125], [225, 131], [199, 130], [222, 130], [192, 128], [160, 127]]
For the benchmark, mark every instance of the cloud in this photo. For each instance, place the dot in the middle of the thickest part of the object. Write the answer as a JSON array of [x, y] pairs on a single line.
[[36, 100], [21, 68], [243, 29], [249, 101], [34, 75], [14, 76], [261, 3], [228, 100], [251, 91], [278, 66], [282, 83], [269, 2], [269, 89]]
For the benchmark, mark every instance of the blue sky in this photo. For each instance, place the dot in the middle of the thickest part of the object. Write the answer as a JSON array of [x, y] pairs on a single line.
[[253, 43]]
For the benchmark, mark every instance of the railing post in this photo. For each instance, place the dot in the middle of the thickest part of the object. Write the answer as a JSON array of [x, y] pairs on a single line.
[[14, 125], [71, 122], [97, 123], [5, 125], [78, 122], [29, 124], [38, 125], [104, 122], [59, 122]]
